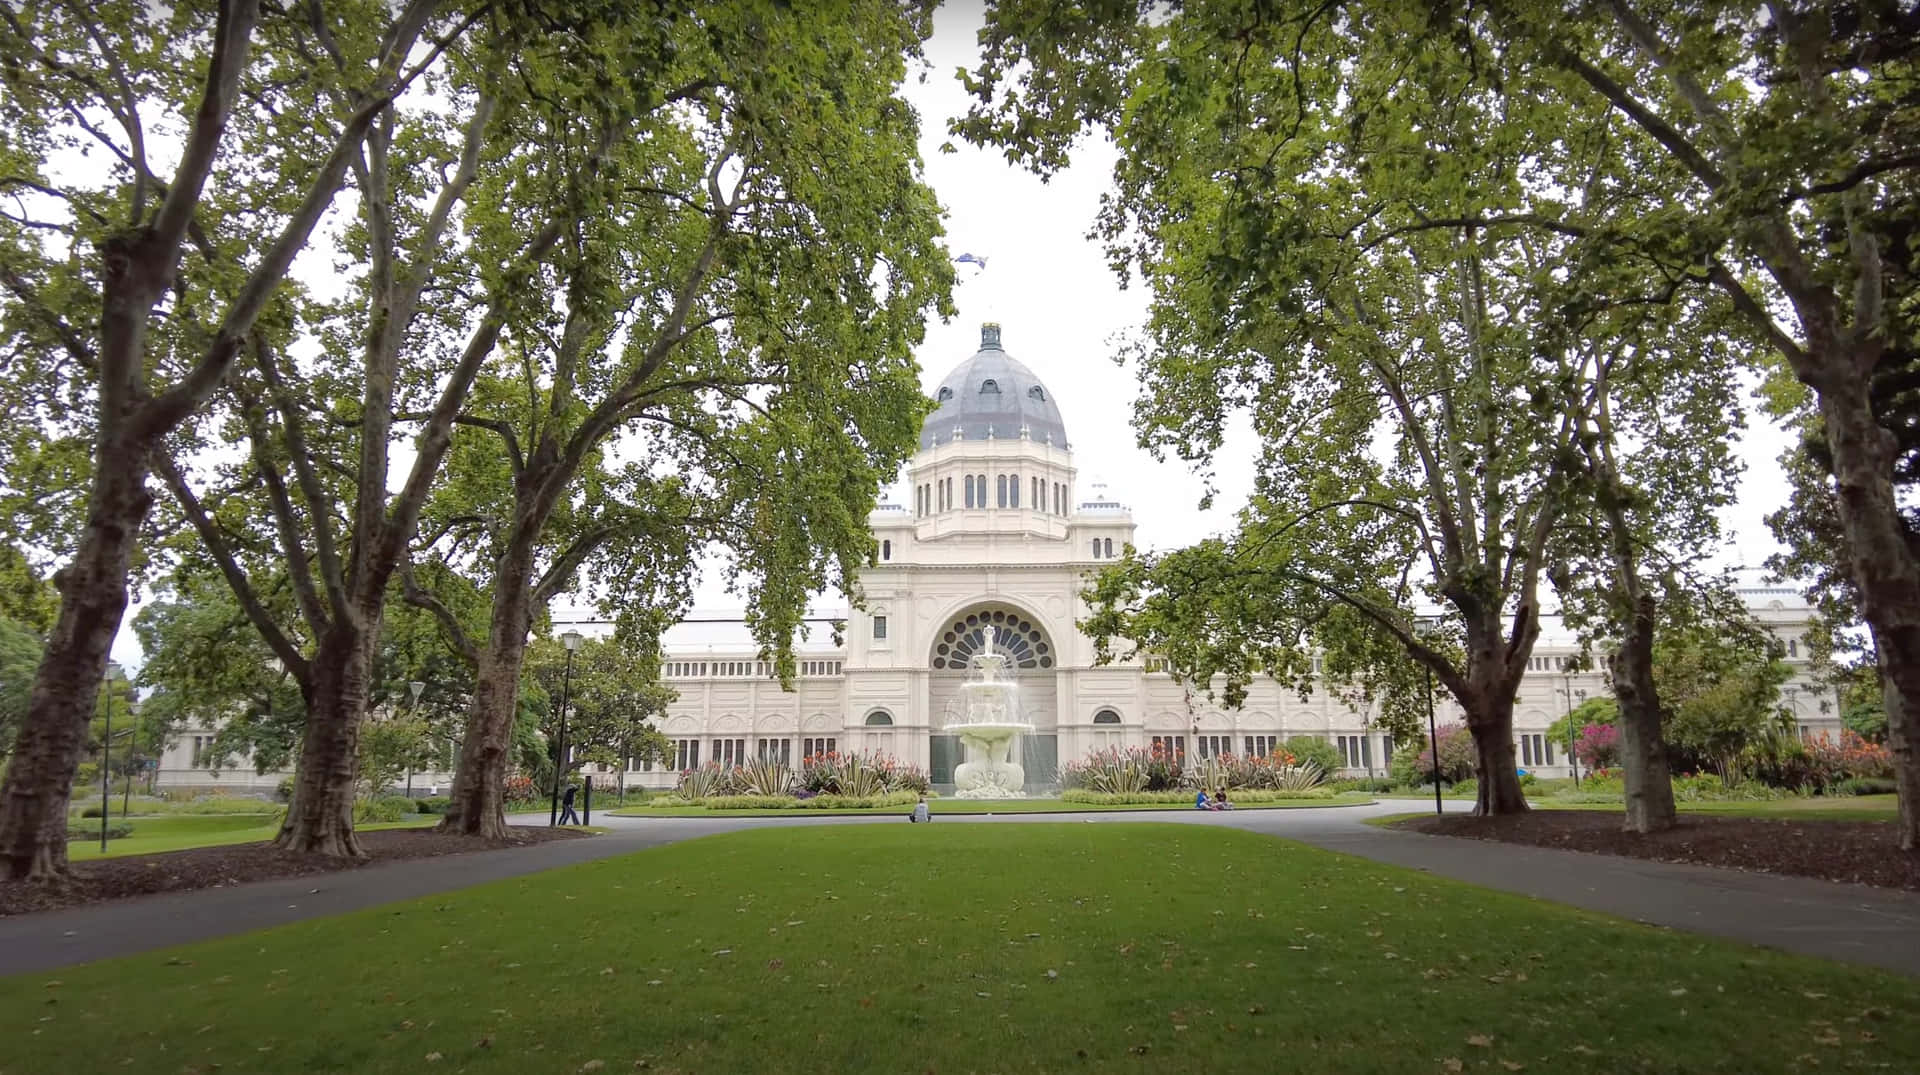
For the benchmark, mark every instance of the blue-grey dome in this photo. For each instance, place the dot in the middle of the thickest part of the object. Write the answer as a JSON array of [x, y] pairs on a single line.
[[993, 395]]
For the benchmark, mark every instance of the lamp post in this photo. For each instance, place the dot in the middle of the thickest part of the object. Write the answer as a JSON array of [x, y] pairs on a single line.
[[571, 640], [1427, 623], [1573, 758], [106, 767], [415, 688]]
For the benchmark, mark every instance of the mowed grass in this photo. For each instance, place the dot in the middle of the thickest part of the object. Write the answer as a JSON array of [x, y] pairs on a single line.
[[178, 832], [1070, 947], [985, 806]]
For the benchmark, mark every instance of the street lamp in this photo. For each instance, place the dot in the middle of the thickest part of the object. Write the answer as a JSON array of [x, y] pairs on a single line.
[[415, 688], [106, 766], [1573, 758], [571, 640], [1433, 734]]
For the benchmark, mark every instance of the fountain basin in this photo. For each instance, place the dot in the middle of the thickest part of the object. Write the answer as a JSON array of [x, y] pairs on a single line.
[[992, 777]]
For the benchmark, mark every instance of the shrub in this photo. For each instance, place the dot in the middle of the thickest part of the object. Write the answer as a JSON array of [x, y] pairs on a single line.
[[706, 782], [222, 804], [435, 805], [1528, 780], [1376, 784], [115, 830], [1598, 746], [520, 789], [283, 792], [385, 808], [860, 775], [1312, 748], [764, 777], [1141, 798], [1111, 770], [1465, 789], [1865, 785], [790, 802], [1457, 756]]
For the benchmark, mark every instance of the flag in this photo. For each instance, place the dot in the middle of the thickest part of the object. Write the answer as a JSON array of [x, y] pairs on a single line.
[[971, 259]]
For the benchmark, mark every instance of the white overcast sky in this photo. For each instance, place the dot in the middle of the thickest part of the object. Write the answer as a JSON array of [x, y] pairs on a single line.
[[1062, 310]]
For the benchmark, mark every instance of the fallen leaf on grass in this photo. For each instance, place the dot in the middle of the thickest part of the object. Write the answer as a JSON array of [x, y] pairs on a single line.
[[1451, 1063], [433, 1058], [1512, 1065], [593, 1065], [1480, 1040]]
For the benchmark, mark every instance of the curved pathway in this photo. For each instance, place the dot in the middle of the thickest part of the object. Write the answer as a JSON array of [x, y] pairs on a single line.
[[1852, 923]]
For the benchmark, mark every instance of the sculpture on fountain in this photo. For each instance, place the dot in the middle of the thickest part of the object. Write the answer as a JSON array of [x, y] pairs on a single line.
[[989, 726]]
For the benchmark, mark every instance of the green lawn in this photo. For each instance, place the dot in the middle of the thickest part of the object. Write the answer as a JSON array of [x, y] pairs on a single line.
[[984, 806], [177, 832], [1132, 947]]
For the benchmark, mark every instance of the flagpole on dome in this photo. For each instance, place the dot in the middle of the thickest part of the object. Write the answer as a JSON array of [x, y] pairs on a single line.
[[989, 309]]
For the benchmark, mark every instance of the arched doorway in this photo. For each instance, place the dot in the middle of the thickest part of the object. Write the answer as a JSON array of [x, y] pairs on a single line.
[[1004, 628]]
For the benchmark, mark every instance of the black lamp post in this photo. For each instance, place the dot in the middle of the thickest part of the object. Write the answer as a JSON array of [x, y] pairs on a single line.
[[414, 688], [571, 640], [106, 767], [1433, 735], [1573, 756]]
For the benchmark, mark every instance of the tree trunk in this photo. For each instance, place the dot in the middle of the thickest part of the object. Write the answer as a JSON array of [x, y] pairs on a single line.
[[478, 799], [1643, 748], [1498, 770], [1885, 571], [320, 818], [93, 598]]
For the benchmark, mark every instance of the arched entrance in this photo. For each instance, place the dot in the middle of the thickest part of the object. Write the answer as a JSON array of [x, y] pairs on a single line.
[[1007, 629]]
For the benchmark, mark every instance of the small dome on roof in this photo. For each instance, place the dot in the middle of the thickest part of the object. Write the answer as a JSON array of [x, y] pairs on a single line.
[[992, 395]]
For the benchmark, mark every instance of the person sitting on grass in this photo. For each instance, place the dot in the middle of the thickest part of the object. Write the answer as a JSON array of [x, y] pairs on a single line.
[[920, 813], [1221, 802], [1200, 801]]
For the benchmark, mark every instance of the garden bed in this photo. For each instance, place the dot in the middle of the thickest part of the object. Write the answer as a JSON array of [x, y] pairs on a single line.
[[235, 864], [1860, 852]]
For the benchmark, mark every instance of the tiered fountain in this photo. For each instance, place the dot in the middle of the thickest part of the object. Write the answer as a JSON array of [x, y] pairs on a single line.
[[988, 725]]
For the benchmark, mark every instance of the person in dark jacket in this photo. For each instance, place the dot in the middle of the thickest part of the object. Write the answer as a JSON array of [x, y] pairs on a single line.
[[567, 816]]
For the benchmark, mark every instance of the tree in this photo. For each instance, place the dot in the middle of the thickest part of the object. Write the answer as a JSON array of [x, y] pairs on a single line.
[[1388, 328], [1591, 712], [1721, 683], [19, 656], [1794, 131], [738, 313], [316, 505], [615, 701], [132, 291], [25, 597]]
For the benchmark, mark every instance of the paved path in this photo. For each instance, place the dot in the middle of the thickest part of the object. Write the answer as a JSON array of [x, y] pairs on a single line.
[[1845, 922]]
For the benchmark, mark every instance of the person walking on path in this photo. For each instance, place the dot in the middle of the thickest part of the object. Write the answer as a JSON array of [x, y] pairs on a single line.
[[567, 816]]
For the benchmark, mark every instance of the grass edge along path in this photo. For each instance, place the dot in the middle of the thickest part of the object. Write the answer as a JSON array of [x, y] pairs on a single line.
[[956, 807], [1140, 947], [186, 832]]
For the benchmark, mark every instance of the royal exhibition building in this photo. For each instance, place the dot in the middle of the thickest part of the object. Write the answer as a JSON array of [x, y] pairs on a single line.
[[988, 550]]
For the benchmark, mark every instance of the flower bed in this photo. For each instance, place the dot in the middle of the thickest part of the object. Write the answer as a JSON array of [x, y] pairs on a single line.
[[1136, 770], [791, 802], [1144, 798], [852, 776]]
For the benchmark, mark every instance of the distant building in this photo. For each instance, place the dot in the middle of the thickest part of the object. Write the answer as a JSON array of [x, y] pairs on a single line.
[[993, 549]]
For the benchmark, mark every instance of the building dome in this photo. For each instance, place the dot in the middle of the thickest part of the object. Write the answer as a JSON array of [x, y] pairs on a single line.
[[992, 395]]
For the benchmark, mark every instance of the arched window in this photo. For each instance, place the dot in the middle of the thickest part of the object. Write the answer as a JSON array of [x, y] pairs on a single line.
[[1011, 633], [949, 484], [878, 718], [945, 394], [1109, 548], [1106, 716], [989, 387], [886, 550], [980, 483], [1096, 548], [969, 490], [1002, 483], [1037, 392]]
